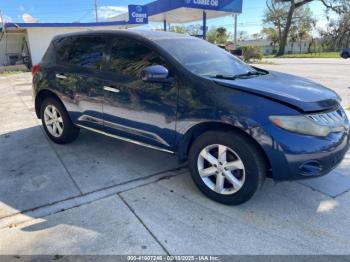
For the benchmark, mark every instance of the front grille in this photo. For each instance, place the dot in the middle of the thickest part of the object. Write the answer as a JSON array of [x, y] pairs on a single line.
[[334, 118]]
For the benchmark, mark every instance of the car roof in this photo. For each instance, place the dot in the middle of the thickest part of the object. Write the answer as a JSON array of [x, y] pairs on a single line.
[[146, 34]]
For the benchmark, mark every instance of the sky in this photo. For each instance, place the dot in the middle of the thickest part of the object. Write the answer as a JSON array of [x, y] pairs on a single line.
[[83, 11]]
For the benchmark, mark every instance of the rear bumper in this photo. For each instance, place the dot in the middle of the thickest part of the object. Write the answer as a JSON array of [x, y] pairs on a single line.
[[293, 156]]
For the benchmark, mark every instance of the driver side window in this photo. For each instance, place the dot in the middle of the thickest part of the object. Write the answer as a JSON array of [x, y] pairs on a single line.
[[129, 57]]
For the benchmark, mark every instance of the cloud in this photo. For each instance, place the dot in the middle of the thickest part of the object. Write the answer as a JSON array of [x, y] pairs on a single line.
[[105, 12], [21, 7], [27, 18], [7, 19]]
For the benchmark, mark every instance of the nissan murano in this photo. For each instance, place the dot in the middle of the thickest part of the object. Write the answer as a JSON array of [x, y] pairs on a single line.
[[235, 124]]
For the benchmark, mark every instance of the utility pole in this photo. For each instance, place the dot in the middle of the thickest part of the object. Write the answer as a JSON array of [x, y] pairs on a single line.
[[235, 32], [2, 35], [96, 11], [2, 20], [204, 25]]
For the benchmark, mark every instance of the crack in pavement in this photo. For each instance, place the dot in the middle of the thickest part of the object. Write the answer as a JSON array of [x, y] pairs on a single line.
[[143, 224], [86, 198]]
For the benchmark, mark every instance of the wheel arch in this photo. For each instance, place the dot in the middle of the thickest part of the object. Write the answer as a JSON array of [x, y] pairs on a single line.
[[41, 96], [199, 129]]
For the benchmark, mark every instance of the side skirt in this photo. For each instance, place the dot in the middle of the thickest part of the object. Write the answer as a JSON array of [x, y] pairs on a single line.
[[126, 139]]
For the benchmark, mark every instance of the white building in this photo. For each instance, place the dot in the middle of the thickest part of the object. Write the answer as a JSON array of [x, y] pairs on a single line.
[[267, 47], [10, 45]]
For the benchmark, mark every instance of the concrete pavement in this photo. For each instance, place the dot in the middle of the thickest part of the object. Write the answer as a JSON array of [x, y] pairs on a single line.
[[286, 218], [102, 196], [103, 227]]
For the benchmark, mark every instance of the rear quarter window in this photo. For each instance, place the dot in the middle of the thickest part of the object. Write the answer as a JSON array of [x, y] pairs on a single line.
[[83, 51], [49, 52]]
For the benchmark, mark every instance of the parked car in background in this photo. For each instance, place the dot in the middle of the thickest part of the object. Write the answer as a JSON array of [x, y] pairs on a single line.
[[234, 123], [345, 53]]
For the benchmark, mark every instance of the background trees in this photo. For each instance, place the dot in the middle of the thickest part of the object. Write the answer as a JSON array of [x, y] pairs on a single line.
[[338, 6], [178, 29], [218, 35], [337, 33], [287, 22], [292, 20], [272, 35]]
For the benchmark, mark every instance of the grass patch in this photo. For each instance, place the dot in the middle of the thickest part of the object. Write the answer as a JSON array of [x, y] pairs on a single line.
[[7, 73], [311, 55], [263, 62]]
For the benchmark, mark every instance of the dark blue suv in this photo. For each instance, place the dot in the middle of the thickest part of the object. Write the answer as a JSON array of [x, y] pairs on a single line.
[[234, 123]]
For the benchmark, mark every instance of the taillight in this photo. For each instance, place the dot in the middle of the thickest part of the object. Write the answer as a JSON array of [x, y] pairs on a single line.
[[35, 69]]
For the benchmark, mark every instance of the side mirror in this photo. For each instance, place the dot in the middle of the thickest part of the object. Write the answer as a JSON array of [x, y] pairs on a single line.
[[156, 74]]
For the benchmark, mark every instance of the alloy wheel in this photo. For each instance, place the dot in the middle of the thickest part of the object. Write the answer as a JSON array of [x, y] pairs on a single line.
[[221, 169], [53, 121]]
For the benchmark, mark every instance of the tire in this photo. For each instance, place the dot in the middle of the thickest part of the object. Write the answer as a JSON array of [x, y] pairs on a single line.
[[245, 162], [67, 132], [345, 55]]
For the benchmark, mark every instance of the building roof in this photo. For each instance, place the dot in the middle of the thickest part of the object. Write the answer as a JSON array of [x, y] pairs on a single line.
[[31, 25], [174, 11], [182, 11], [161, 6]]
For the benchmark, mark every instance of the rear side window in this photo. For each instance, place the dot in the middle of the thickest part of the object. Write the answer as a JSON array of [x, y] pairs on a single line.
[[86, 51]]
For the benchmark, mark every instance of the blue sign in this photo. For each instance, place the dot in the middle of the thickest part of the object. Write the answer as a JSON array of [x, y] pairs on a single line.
[[138, 14], [218, 5]]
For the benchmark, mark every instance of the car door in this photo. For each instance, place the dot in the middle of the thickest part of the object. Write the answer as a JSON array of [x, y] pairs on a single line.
[[79, 79], [132, 108]]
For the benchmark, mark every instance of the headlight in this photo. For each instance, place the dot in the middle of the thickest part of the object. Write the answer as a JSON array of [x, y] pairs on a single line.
[[301, 124]]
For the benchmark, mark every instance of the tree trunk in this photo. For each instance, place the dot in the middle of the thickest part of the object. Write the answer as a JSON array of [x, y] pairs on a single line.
[[284, 39]]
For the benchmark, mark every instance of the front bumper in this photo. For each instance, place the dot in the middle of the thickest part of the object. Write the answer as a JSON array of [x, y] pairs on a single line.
[[293, 156]]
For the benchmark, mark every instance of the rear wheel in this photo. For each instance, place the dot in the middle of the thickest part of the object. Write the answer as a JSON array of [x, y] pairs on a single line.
[[56, 122], [227, 167], [345, 55]]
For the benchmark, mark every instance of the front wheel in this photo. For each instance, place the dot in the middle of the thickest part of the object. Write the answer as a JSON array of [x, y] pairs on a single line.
[[226, 166], [345, 55], [56, 122]]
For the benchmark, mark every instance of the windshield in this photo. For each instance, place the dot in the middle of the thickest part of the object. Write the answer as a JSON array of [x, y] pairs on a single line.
[[203, 58]]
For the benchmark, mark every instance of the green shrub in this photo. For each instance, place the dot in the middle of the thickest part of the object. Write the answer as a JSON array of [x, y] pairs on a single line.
[[251, 53]]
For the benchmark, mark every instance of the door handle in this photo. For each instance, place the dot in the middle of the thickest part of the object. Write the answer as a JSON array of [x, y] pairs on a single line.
[[111, 89], [61, 76]]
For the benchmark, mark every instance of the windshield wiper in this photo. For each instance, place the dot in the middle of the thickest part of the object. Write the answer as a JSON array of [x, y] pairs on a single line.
[[224, 77], [250, 73], [234, 77]]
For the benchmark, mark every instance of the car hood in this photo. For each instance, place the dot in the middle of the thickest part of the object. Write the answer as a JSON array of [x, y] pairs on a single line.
[[297, 92]]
